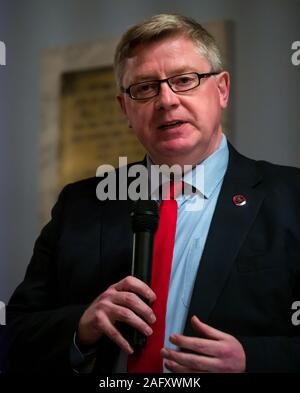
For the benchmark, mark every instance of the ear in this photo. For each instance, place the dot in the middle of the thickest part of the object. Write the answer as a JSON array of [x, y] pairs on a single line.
[[121, 101], [223, 80]]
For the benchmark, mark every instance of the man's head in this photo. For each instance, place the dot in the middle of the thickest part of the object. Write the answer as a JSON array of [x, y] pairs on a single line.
[[175, 124]]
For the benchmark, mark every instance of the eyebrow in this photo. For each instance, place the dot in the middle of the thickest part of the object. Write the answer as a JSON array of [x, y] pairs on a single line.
[[149, 77]]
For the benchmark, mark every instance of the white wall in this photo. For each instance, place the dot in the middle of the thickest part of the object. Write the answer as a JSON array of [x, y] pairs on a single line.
[[266, 90]]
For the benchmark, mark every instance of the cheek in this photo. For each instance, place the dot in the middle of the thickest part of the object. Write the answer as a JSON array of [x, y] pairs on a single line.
[[140, 126], [140, 119], [208, 111]]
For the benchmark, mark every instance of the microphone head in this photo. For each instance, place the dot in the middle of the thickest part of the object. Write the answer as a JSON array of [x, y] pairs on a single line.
[[145, 216]]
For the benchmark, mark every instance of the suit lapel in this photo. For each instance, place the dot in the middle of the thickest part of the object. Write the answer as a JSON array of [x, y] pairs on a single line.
[[229, 227]]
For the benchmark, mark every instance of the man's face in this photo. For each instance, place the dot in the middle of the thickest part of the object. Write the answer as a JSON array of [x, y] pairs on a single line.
[[183, 127]]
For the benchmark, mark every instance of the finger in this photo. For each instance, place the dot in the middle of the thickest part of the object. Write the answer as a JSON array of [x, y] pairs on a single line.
[[110, 331], [133, 302], [177, 368], [199, 345], [133, 284], [206, 330], [191, 361], [125, 315]]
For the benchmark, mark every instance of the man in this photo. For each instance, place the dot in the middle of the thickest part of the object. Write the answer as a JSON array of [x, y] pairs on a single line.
[[236, 262]]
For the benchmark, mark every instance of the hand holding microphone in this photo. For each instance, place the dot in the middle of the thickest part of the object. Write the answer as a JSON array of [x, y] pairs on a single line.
[[128, 300]]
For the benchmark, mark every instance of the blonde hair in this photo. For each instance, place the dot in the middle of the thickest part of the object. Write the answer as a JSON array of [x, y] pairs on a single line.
[[163, 26]]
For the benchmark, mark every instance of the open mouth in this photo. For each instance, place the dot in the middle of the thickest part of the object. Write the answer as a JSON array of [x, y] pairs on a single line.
[[171, 124]]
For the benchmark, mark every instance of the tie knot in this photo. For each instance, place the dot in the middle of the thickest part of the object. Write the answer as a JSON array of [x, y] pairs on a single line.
[[170, 190]]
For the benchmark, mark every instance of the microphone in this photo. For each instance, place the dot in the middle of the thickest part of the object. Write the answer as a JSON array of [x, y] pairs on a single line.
[[144, 220]]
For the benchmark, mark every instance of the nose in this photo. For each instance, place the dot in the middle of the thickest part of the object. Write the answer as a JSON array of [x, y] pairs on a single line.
[[166, 98]]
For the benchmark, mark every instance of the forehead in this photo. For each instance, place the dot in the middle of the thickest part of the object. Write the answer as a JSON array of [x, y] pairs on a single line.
[[163, 58]]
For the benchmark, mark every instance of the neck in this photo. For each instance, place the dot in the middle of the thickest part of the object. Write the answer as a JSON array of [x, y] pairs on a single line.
[[192, 159]]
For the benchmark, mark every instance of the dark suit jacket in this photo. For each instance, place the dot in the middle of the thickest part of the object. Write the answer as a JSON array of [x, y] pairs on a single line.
[[248, 278]]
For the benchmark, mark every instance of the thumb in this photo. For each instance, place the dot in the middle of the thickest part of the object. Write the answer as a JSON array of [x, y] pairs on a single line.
[[205, 330]]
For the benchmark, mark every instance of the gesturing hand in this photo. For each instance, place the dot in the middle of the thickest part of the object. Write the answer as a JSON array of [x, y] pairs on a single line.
[[120, 302], [213, 351]]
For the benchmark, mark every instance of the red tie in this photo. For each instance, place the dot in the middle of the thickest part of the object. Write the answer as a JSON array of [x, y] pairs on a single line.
[[148, 359]]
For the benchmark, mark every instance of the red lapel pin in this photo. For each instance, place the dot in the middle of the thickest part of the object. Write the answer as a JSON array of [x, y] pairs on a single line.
[[239, 200]]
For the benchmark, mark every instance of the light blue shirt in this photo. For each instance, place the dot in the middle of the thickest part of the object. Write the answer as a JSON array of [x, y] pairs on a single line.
[[191, 233]]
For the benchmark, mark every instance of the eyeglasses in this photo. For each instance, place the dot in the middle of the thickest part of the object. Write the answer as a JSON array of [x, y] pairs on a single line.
[[177, 83]]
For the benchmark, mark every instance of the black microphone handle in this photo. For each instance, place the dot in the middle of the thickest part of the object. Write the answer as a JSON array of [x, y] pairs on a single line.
[[142, 255], [141, 268]]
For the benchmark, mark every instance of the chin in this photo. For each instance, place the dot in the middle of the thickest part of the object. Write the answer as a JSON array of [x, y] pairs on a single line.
[[177, 147]]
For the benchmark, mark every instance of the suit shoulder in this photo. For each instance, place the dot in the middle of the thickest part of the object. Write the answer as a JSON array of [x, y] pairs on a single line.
[[87, 187], [280, 175], [282, 171], [81, 187]]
